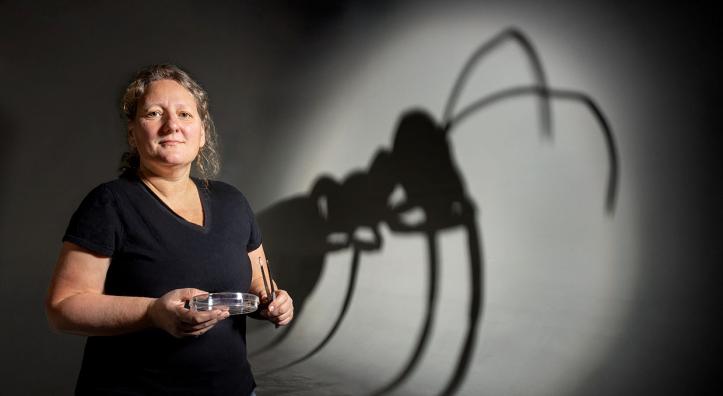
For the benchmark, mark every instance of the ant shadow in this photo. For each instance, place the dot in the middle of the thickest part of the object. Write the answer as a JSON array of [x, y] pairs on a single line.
[[414, 188]]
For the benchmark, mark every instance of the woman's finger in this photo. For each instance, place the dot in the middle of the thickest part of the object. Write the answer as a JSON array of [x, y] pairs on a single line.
[[283, 307], [197, 332], [285, 319], [281, 314], [190, 328], [198, 317], [281, 302], [196, 329], [285, 314]]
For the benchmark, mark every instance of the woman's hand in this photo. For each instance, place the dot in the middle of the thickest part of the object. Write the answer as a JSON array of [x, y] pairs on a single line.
[[170, 314], [281, 310]]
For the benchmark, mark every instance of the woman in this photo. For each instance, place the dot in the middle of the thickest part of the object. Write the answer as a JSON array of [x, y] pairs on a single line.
[[140, 247]]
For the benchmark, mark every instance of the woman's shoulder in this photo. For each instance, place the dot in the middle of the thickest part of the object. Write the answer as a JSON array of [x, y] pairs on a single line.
[[222, 190], [218, 185], [110, 189], [103, 192]]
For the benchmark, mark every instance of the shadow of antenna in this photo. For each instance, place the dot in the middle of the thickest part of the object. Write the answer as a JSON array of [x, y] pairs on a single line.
[[538, 73], [545, 92]]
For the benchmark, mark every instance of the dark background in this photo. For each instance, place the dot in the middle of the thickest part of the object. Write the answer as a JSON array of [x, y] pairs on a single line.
[[264, 64]]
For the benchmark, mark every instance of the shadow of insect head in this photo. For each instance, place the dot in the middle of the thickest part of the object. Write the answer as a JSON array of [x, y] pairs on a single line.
[[413, 188]]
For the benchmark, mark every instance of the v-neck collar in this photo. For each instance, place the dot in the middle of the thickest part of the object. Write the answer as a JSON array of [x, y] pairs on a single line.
[[202, 195]]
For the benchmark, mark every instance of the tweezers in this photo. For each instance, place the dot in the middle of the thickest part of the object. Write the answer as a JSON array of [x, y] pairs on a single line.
[[270, 291]]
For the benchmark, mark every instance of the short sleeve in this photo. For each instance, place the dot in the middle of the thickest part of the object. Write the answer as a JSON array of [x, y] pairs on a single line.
[[95, 225], [255, 233]]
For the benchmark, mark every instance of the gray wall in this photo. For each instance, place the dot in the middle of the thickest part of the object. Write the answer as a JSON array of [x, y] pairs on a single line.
[[576, 301]]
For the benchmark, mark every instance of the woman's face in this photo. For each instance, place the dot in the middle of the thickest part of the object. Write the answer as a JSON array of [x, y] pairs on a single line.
[[167, 130]]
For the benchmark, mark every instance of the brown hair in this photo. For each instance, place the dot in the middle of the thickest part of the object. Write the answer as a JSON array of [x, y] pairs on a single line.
[[207, 162]]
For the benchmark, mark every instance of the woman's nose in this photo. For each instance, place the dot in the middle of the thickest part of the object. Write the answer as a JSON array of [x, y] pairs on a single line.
[[171, 124]]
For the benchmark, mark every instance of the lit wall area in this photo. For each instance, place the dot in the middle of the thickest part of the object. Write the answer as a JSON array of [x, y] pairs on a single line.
[[462, 197]]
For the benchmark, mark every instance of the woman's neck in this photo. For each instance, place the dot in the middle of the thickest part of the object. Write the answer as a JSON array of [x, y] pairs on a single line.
[[168, 184]]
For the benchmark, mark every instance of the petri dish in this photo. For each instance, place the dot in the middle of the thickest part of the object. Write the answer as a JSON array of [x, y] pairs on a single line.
[[236, 303]]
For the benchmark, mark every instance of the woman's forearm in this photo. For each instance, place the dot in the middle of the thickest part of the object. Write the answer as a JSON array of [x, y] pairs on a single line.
[[94, 314], [257, 287]]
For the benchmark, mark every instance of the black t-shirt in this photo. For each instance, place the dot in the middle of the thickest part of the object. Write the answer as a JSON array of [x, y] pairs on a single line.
[[153, 251]]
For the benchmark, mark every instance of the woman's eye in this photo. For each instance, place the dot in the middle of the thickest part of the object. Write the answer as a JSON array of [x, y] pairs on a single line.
[[185, 114], [152, 114]]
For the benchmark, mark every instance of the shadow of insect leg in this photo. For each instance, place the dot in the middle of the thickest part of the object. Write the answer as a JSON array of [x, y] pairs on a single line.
[[423, 339], [476, 261], [345, 307]]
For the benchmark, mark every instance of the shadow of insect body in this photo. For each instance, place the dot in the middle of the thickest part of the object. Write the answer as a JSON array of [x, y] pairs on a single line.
[[417, 176]]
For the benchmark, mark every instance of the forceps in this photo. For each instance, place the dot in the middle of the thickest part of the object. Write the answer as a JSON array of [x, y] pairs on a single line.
[[270, 291]]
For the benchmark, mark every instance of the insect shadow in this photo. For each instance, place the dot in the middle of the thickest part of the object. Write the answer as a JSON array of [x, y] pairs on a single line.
[[413, 188]]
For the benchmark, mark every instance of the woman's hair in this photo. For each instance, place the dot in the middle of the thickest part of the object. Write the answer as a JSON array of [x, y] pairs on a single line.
[[207, 162]]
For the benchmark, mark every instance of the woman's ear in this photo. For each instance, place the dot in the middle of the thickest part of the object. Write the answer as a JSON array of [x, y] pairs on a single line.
[[131, 138]]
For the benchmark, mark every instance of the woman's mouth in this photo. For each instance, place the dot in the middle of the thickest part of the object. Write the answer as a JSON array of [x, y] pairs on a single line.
[[169, 142]]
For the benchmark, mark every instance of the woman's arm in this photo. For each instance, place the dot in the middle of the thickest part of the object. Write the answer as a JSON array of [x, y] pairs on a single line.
[[76, 303], [281, 311]]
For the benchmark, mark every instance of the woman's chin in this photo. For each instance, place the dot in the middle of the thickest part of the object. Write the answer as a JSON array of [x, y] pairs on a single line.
[[172, 162]]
